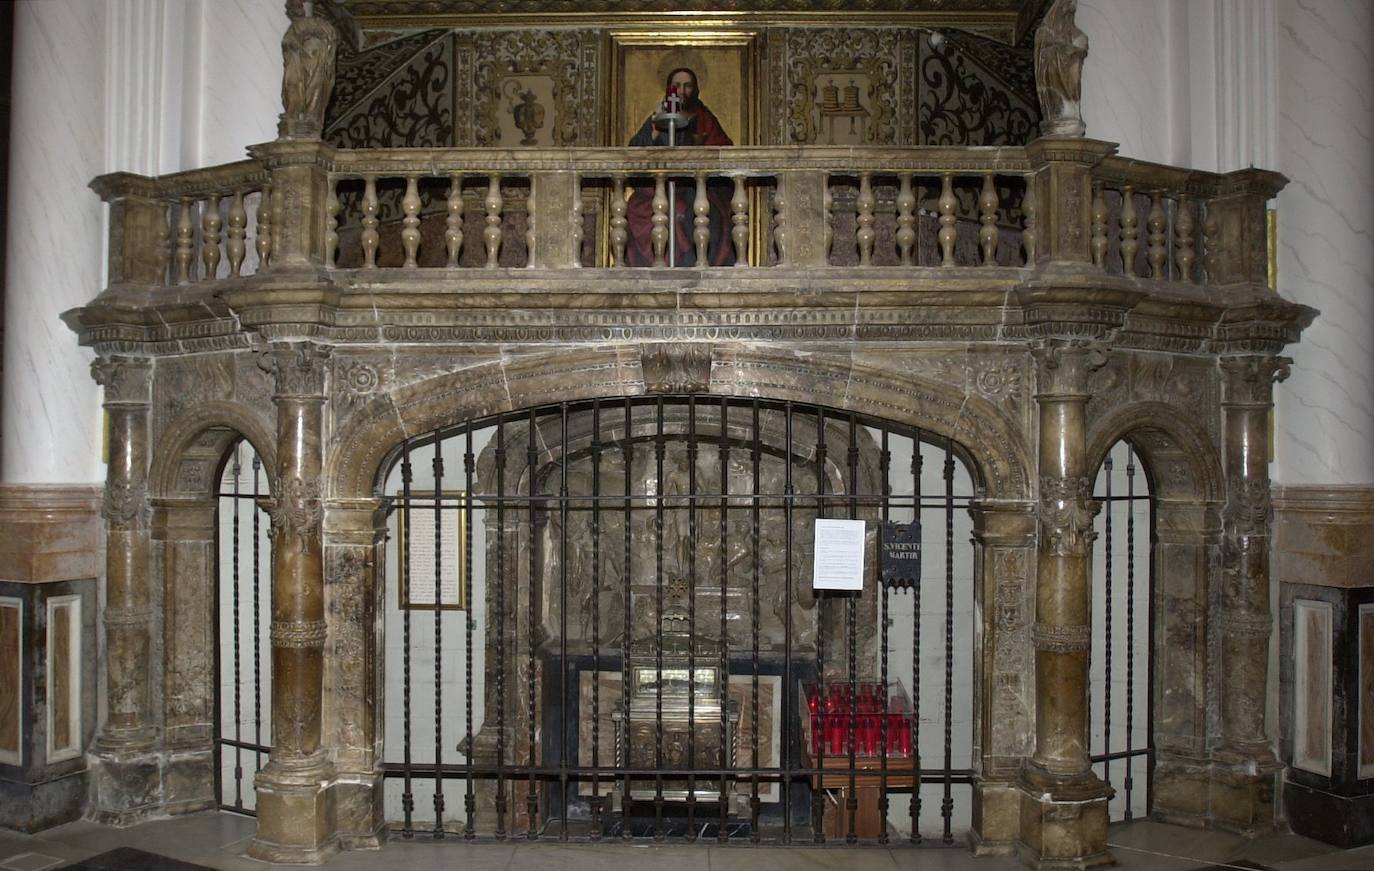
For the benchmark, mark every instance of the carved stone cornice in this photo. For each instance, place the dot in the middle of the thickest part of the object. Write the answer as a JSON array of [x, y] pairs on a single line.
[[127, 380], [299, 369], [1249, 380], [1066, 510], [296, 513], [1063, 365], [1061, 638]]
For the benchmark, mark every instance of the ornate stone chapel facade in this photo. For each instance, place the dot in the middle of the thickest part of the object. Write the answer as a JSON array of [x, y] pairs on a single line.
[[380, 247]]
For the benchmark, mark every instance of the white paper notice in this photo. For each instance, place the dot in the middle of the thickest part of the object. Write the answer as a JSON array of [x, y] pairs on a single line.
[[839, 555]]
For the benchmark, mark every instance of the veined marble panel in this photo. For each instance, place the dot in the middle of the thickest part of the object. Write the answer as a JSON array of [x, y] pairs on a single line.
[[11, 680], [240, 63], [64, 678], [1312, 686], [1326, 255], [1127, 77]]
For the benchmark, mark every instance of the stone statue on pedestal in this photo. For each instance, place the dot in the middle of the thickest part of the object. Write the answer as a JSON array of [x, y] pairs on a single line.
[[1060, 48], [307, 51]]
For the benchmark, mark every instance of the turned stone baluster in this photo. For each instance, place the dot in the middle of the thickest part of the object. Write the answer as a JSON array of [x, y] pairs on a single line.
[[1211, 242], [162, 252], [1099, 240], [370, 236], [577, 222], [491, 236], [739, 216], [453, 224], [1184, 226], [262, 234], [987, 234], [1156, 223], [618, 220], [780, 206], [701, 221], [410, 222], [238, 232], [1028, 208], [906, 219], [331, 224], [210, 225], [184, 243], [659, 233], [863, 233], [948, 204], [1130, 230]]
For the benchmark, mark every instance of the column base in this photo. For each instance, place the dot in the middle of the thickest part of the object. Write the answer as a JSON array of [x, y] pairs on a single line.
[[125, 779], [1063, 821], [996, 824], [296, 821], [358, 811], [1242, 792], [1182, 791]]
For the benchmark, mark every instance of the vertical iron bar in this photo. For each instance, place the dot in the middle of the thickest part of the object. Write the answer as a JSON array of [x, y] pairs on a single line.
[[789, 698], [822, 691], [596, 619], [438, 464], [465, 586], [852, 803], [407, 799], [623, 748], [884, 471], [723, 560], [563, 619], [532, 614], [660, 446], [1130, 621], [1107, 632], [947, 803], [691, 617], [238, 716], [756, 460], [917, 465], [256, 463], [501, 619]]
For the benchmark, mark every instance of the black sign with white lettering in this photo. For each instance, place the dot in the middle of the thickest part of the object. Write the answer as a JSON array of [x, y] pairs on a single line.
[[901, 554]]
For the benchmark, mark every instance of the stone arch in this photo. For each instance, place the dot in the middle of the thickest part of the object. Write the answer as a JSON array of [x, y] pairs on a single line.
[[1182, 461], [985, 439], [190, 451]]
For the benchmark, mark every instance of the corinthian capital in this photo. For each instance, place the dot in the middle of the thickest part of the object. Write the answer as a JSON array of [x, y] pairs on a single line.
[[1063, 365], [1250, 379], [299, 368], [127, 380]]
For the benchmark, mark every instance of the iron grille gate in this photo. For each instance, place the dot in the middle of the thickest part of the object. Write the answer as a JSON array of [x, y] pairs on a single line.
[[1122, 681], [243, 723], [600, 623]]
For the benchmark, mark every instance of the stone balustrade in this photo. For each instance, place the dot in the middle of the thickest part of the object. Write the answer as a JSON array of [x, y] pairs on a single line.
[[941, 208]]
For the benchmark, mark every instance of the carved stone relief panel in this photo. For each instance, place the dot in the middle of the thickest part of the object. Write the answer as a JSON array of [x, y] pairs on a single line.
[[534, 88], [1185, 383], [183, 382], [845, 87]]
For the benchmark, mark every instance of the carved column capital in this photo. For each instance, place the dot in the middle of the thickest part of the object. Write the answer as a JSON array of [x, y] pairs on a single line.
[[1250, 379], [296, 513], [127, 380], [1063, 365], [299, 368], [1066, 510]]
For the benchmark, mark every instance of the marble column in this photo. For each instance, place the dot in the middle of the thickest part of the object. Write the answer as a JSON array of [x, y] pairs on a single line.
[[354, 540], [1064, 804], [124, 766], [1245, 767], [1003, 712], [295, 811]]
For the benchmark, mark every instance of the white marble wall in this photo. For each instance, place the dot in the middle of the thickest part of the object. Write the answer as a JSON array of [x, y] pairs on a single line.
[[1325, 411], [1128, 90], [148, 86], [53, 255]]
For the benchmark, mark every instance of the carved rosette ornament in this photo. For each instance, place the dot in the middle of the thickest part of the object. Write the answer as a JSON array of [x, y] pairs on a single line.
[[1060, 49], [307, 51], [1066, 512]]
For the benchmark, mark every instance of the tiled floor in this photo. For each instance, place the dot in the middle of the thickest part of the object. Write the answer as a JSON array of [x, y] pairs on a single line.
[[218, 840]]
